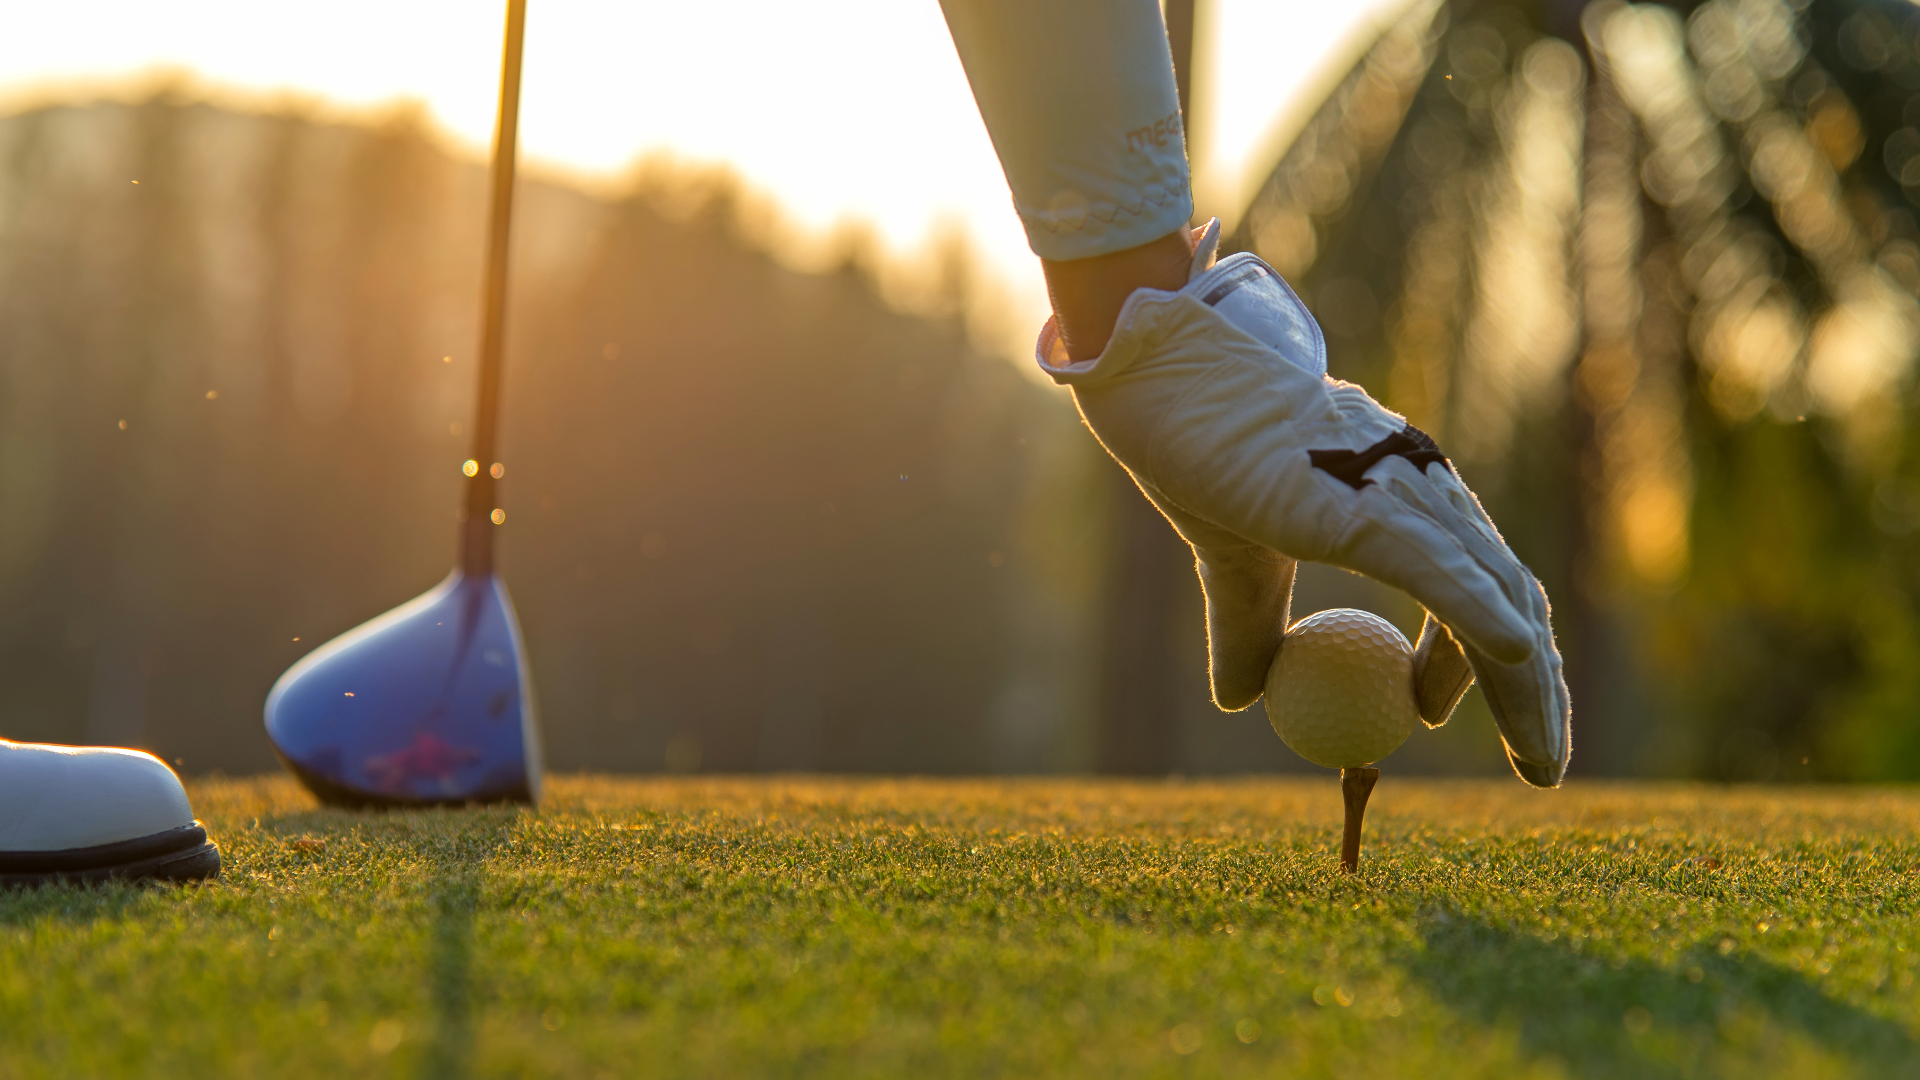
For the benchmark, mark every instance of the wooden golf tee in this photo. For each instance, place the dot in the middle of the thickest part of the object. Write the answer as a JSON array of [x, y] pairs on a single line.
[[1355, 786]]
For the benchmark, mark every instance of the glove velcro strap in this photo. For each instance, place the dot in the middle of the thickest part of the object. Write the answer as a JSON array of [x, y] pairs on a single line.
[[1350, 466]]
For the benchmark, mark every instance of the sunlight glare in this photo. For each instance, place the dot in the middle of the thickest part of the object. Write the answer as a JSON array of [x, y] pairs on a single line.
[[851, 111]]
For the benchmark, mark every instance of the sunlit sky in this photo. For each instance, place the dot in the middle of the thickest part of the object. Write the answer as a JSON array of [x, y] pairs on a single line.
[[842, 110]]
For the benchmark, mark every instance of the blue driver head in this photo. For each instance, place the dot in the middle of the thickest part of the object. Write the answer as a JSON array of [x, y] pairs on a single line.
[[428, 704]]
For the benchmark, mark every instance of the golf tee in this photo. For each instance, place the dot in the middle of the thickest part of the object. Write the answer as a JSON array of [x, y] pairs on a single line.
[[1355, 787]]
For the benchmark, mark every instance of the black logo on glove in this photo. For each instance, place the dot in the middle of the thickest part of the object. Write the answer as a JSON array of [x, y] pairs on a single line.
[[1351, 468]]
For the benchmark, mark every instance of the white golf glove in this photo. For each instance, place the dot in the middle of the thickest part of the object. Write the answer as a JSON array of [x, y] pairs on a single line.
[[1215, 399]]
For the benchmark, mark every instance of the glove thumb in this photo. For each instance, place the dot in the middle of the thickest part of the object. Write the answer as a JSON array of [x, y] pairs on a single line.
[[1441, 673]]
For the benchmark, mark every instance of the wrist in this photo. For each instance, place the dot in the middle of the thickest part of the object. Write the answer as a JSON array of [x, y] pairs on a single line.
[[1087, 294]]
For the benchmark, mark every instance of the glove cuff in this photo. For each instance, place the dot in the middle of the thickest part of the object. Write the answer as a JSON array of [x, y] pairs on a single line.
[[1242, 295]]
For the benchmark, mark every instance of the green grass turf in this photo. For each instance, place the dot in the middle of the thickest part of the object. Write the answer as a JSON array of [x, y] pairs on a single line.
[[852, 928]]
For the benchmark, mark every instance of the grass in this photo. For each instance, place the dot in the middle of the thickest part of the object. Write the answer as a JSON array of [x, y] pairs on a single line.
[[853, 928]]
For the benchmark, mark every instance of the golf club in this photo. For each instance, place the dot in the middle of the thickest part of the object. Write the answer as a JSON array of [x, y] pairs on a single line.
[[432, 702]]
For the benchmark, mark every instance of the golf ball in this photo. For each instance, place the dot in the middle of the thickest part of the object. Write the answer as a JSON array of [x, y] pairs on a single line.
[[1340, 693]]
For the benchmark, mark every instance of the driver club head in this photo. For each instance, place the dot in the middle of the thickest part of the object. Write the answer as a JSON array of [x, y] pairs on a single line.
[[429, 704]]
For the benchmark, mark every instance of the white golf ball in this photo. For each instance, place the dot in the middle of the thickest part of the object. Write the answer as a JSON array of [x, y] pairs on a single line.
[[1340, 693]]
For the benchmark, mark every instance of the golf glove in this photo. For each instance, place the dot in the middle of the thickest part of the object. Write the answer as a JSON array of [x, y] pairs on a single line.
[[1215, 400]]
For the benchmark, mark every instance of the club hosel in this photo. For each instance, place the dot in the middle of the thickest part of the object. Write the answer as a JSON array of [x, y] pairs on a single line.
[[476, 533]]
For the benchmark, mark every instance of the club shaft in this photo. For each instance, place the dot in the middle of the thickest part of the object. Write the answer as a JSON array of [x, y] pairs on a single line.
[[1356, 785], [476, 547]]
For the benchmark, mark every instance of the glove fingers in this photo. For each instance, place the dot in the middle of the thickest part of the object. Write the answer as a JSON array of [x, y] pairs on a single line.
[[1529, 701], [1529, 704], [1471, 523], [1441, 498], [1528, 697], [1441, 674], [1248, 591], [1523, 687], [1539, 776], [1412, 553]]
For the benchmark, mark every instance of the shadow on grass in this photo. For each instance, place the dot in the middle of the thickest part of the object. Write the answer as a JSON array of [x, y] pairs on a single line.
[[456, 902], [1637, 1018], [458, 860], [449, 848]]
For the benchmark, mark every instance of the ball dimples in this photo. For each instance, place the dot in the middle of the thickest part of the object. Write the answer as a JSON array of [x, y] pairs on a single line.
[[1340, 692]]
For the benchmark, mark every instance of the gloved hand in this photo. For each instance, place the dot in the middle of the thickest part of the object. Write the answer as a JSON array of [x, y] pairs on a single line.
[[1215, 399]]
